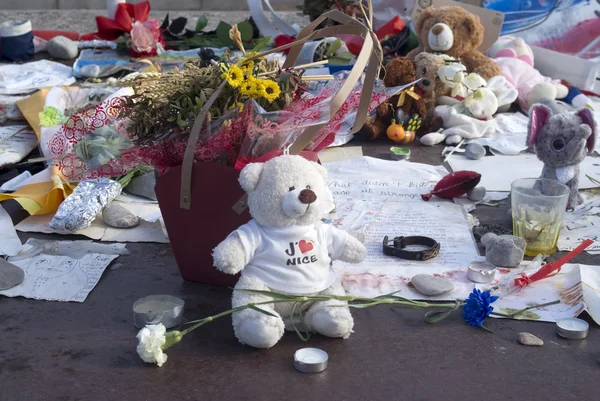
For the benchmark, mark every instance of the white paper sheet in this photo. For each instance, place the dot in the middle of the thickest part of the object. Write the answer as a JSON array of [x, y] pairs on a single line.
[[498, 172], [10, 244], [376, 179], [29, 77], [15, 183], [16, 142], [581, 224], [336, 154], [60, 278], [149, 229], [446, 222]]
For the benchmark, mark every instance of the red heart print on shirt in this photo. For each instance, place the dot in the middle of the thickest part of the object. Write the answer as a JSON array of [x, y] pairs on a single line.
[[305, 246]]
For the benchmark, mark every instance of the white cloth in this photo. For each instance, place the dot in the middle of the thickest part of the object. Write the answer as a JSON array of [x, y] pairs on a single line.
[[463, 125], [296, 259]]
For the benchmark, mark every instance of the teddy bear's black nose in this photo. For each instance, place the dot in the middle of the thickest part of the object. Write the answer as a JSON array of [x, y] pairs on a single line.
[[426, 82], [437, 29], [307, 196]]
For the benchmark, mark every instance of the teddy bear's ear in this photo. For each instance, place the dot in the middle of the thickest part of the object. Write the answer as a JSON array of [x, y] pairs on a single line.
[[588, 118], [250, 175], [423, 17], [539, 115], [322, 170], [475, 30]]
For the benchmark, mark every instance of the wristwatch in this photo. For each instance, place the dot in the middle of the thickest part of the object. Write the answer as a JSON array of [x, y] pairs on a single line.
[[398, 245]]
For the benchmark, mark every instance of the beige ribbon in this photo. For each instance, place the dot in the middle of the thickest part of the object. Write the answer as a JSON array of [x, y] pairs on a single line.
[[370, 57]]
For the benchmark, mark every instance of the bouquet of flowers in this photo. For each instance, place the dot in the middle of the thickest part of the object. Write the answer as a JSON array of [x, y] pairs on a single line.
[[251, 104]]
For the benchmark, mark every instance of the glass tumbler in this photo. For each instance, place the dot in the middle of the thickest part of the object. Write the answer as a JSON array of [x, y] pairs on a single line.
[[538, 208]]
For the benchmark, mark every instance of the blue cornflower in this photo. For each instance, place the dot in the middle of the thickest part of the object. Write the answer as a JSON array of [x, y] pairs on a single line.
[[477, 307]]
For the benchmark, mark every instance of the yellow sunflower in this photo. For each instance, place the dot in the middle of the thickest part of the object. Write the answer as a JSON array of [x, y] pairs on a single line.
[[235, 76], [248, 88], [248, 67], [269, 89]]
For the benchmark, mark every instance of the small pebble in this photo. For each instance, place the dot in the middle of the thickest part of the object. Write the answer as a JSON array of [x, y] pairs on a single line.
[[503, 250], [116, 266], [530, 339], [62, 48], [476, 194], [117, 216], [429, 285], [143, 186], [474, 151], [162, 253]]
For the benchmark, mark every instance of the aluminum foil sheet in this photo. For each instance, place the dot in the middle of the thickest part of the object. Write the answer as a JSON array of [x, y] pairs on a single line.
[[83, 205]]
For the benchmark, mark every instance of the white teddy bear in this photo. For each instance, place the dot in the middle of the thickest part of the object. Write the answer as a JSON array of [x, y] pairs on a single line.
[[286, 248]]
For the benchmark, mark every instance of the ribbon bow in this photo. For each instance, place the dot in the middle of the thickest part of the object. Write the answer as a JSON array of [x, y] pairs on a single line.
[[410, 92], [125, 16], [553, 268]]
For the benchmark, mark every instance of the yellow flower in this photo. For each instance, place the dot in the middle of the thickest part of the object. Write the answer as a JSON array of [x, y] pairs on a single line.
[[248, 67], [238, 105], [248, 88], [269, 89], [234, 76]]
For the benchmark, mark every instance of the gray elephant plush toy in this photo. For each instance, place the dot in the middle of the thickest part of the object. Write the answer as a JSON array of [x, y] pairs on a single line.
[[561, 141]]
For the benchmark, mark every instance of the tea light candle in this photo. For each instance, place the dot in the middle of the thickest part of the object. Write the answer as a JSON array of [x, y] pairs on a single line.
[[481, 272], [155, 309], [310, 360], [572, 328]]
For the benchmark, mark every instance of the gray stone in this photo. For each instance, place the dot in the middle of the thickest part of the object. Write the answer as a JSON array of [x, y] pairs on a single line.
[[10, 275], [62, 48], [503, 250], [476, 194], [117, 216], [90, 71], [431, 286], [474, 151], [530, 339], [143, 186]]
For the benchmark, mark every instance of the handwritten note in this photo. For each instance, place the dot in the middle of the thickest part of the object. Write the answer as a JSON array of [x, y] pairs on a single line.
[[60, 278], [446, 222], [376, 179]]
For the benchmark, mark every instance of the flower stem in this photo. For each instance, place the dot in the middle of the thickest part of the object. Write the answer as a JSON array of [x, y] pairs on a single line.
[[517, 313]]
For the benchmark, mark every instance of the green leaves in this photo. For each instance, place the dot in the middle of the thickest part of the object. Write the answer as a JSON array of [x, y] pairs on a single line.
[[222, 32], [201, 24], [246, 30], [261, 44], [256, 308], [51, 116], [437, 316]]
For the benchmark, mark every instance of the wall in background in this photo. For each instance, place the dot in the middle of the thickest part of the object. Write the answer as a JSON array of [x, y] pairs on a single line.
[[208, 5]]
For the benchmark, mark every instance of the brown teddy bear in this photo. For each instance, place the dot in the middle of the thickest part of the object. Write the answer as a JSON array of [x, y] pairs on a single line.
[[456, 32], [398, 72], [430, 86]]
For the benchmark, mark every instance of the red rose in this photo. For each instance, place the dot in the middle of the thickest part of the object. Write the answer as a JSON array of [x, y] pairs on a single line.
[[282, 40]]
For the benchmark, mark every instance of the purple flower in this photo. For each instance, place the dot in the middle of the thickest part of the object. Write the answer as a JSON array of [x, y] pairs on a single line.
[[477, 307]]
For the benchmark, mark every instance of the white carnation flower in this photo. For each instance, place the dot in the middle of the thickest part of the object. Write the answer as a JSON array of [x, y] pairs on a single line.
[[150, 348], [474, 81]]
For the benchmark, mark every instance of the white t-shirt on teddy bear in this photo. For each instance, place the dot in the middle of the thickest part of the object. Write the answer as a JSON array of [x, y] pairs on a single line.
[[296, 259]]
